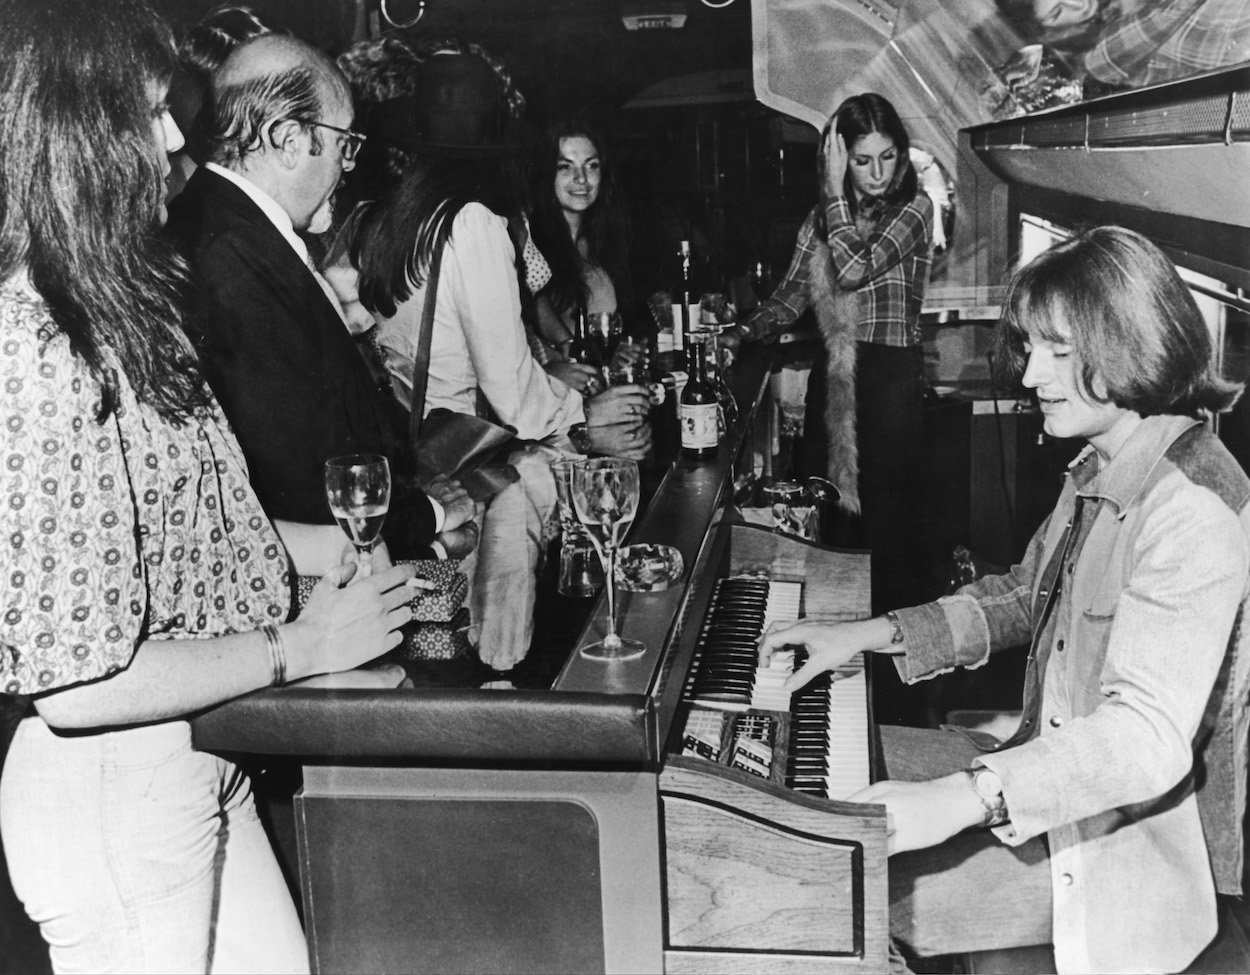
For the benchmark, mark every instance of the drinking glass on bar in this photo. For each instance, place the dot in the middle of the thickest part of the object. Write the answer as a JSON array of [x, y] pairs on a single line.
[[581, 570], [605, 497]]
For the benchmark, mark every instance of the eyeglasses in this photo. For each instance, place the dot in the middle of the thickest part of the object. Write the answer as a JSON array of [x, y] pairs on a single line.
[[352, 140]]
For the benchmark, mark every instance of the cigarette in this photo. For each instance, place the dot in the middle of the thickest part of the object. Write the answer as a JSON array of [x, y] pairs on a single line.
[[416, 582]]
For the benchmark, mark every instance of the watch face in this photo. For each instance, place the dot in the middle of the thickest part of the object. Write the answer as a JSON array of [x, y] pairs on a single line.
[[987, 783]]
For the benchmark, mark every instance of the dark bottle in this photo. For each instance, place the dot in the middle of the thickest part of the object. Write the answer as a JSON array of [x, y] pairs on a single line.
[[581, 348], [698, 412], [761, 278], [685, 299]]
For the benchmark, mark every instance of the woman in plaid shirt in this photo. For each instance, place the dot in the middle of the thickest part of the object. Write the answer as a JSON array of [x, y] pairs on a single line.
[[862, 263]]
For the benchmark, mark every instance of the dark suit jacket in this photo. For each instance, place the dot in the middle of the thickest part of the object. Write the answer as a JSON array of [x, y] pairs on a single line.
[[287, 372]]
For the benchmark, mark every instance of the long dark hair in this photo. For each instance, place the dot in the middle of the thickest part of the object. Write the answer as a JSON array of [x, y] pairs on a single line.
[[81, 187], [854, 119], [392, 237], [605, 225], [1131, 321]]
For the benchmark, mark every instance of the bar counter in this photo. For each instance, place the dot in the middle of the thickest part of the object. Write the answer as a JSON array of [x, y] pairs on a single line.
[[596, 711], [466, 829]]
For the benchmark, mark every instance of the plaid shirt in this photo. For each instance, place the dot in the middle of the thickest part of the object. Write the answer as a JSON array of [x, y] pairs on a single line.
[[1172, 39], [887, 263]]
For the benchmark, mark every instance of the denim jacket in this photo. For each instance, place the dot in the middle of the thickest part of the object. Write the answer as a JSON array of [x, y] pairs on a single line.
[[1131, 754]]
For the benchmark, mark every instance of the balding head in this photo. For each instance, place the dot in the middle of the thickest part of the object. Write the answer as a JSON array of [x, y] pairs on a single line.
[[278, 113], [267, 79]]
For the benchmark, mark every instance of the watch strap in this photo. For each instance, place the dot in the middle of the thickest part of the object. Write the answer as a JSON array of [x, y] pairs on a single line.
[[579, 436], [896, 628]]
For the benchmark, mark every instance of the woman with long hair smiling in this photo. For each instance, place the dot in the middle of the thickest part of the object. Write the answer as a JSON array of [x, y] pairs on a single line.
[[581, 228]]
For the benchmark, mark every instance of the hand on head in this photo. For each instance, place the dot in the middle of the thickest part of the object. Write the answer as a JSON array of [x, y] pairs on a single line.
[[836, 157]]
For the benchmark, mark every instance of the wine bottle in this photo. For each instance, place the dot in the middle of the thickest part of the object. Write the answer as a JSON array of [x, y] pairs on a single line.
[[685, 299], [698, 409]]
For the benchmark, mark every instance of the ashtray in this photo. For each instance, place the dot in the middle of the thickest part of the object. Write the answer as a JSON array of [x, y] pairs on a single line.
[[648, 568]]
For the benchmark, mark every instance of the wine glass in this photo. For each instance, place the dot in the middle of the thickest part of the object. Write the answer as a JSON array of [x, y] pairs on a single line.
[[358, 487], [605, 496]]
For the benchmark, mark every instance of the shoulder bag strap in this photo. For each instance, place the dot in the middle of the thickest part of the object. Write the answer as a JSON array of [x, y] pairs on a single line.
[[421, 364]]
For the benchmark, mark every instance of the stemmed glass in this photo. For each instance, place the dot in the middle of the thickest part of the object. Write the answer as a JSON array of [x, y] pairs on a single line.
[[605, 496], [358, 487]]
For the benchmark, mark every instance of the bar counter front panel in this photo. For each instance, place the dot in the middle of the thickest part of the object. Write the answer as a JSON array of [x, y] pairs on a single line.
[[473, 830]]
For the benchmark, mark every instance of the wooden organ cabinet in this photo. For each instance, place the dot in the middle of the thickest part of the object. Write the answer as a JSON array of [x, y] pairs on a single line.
[[615, 822]]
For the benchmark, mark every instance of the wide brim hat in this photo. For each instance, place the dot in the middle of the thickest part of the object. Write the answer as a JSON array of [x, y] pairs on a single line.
[[458, 109]]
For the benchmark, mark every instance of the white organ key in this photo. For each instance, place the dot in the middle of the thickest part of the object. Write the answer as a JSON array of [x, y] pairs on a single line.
[[846, 760], [783, 606]]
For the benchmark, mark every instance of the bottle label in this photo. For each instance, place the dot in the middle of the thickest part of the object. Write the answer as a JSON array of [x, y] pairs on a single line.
[[663, 342], [699, 425]]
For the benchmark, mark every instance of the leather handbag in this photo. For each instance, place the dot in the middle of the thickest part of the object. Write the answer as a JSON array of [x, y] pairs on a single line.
[[465, 447]]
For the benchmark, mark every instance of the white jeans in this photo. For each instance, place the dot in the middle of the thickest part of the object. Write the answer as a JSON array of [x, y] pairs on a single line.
[[136, 853]]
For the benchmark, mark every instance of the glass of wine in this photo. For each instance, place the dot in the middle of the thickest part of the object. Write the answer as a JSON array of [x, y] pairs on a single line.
[[358, 487], [605, 496]]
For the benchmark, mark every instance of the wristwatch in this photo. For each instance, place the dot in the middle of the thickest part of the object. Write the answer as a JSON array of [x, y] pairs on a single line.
[[989, 789], [896, 628], [579, 436]]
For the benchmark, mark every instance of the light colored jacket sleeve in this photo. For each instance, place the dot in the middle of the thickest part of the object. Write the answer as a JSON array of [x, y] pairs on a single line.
[[480, 272]]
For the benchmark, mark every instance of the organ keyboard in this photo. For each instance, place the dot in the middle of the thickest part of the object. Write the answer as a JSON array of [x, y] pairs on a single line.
[[814, 741], [767, 867]]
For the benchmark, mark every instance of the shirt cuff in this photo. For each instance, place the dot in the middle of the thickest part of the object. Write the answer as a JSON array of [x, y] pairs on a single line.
[[439, 550], [440, 517], [838, 213]]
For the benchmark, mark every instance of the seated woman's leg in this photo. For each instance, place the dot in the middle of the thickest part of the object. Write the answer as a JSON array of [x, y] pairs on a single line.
[[505, 571], [973, 892]]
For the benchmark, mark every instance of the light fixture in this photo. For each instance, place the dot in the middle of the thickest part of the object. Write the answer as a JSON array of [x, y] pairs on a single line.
[[653, 15], [386, 15]]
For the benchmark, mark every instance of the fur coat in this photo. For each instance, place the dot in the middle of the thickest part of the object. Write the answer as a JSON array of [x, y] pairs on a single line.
[[837, 314]]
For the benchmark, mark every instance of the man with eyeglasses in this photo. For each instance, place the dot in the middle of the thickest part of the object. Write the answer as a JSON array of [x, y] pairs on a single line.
[[276, 126]]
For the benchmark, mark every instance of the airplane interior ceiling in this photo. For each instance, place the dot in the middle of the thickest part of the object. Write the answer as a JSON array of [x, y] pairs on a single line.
[[577, 57], [567, 56]]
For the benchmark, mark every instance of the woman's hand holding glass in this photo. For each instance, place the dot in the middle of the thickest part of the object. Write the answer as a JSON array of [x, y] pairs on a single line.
[[344, 626], [358, 488], [618, 421], [576, 375]]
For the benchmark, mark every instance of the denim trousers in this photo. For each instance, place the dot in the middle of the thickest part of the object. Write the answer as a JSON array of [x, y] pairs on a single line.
[[503, 571], [973, 892], [135, 853]]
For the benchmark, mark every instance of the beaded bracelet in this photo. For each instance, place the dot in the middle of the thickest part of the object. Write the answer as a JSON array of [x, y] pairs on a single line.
[[277, 653]]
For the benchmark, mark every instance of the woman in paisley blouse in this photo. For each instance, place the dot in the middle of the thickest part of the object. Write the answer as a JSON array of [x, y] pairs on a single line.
[[142, 579]]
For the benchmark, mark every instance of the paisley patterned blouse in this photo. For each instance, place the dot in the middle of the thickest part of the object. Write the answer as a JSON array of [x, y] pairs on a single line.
[[114, 533]]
